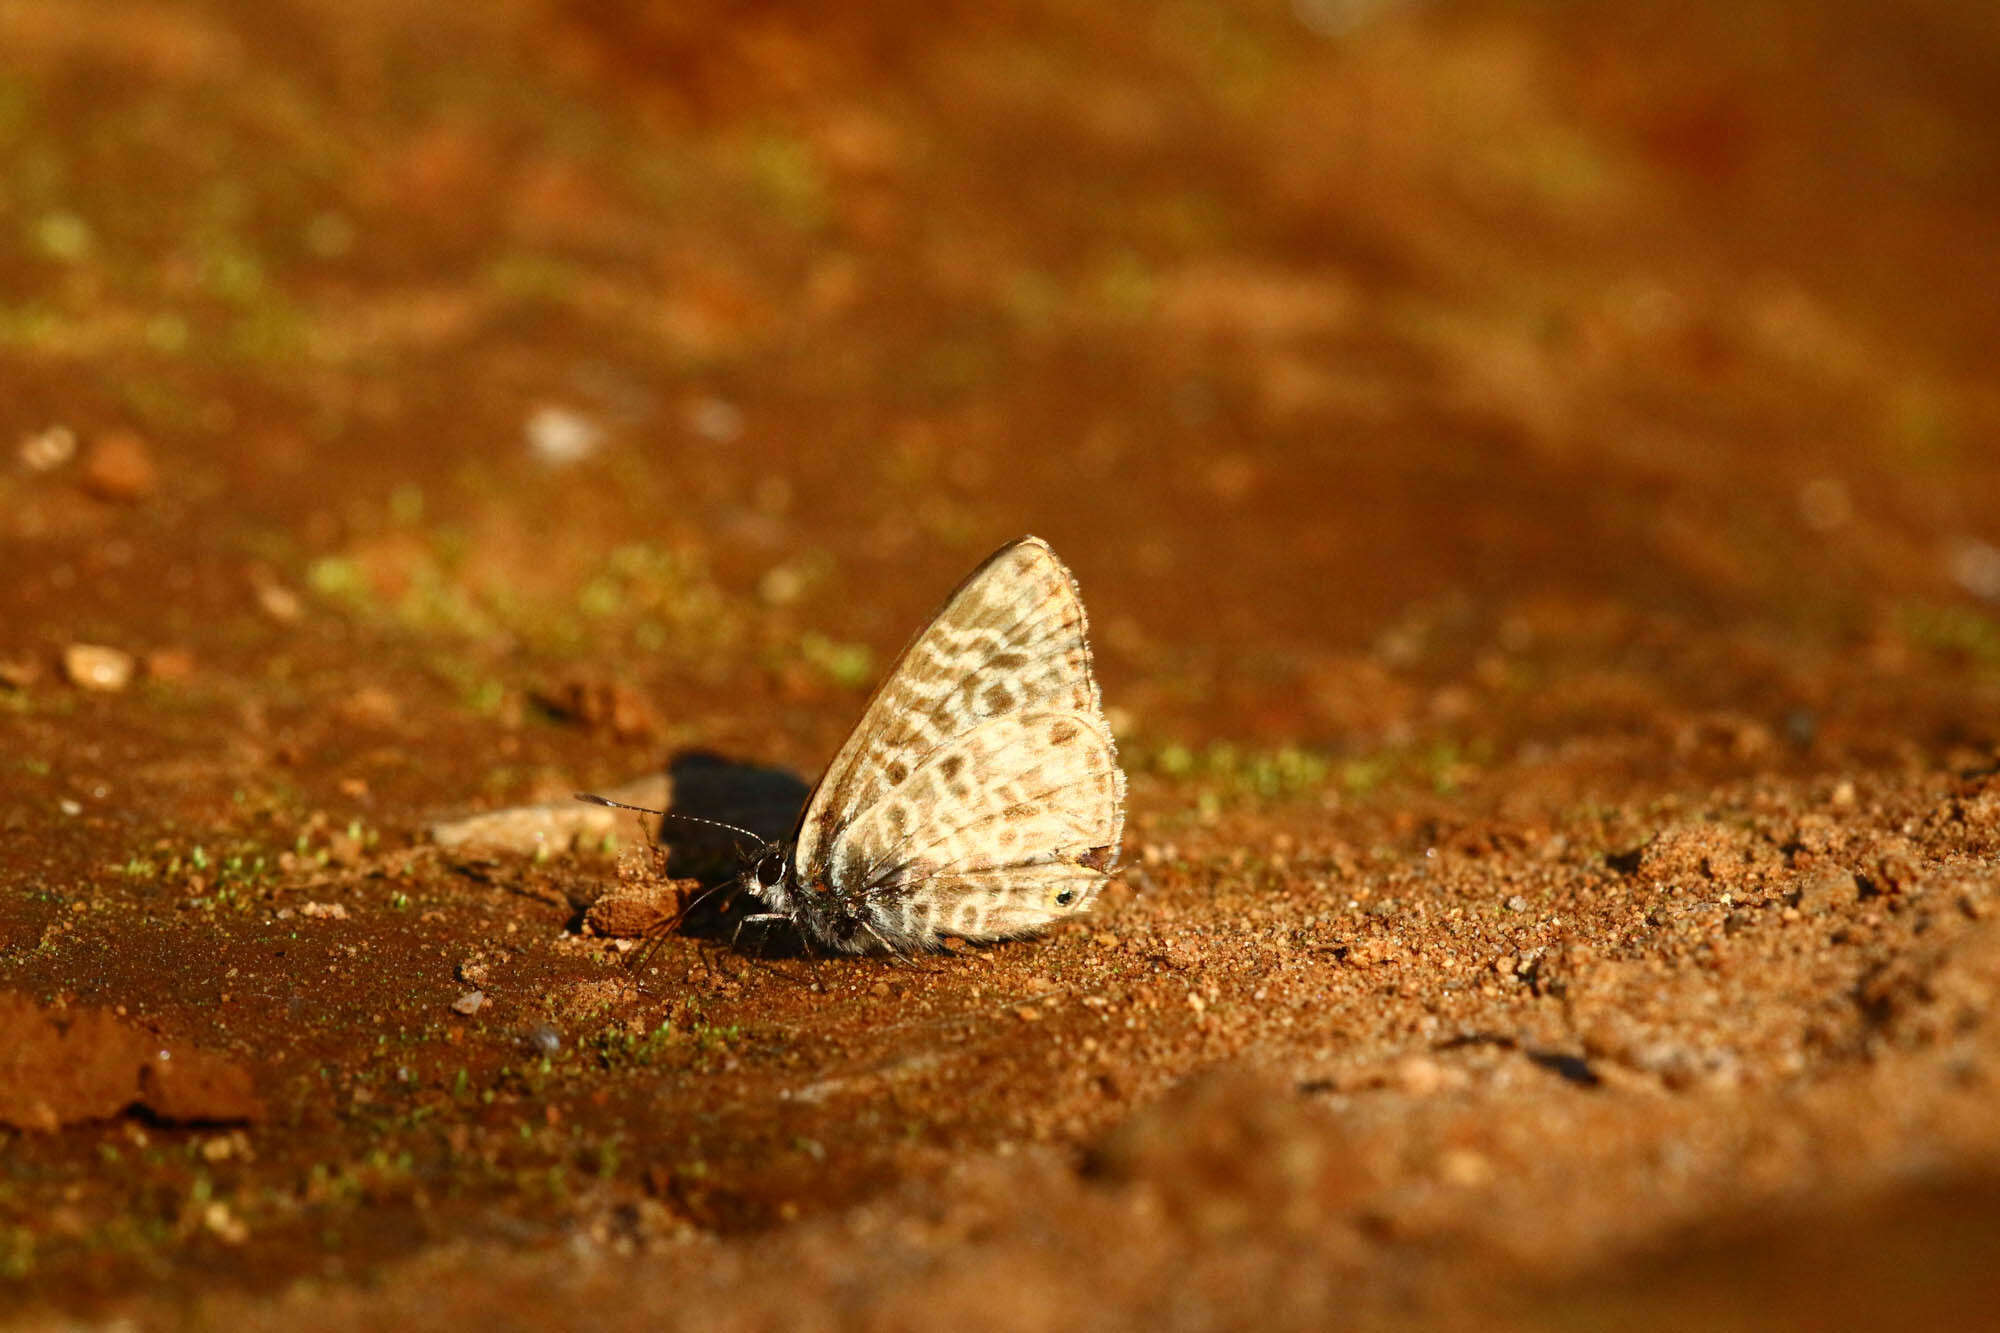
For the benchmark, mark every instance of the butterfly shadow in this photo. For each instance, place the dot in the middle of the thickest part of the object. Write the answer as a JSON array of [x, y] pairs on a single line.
[[705, 791], [758, 799]]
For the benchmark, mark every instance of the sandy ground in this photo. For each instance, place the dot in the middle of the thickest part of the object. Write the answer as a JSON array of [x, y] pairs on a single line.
[[1532, 472]]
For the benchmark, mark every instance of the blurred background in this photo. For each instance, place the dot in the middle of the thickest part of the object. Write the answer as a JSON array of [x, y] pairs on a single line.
[[1374, 363], [1531, 467]]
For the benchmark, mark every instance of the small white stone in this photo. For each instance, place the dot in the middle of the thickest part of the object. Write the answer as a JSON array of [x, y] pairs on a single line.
[[279, 603], [560, 436], [1975, 567], [92, 666], [47, 450]]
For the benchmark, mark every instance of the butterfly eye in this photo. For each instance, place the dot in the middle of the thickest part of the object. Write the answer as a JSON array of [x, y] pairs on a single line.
[[770, 870]]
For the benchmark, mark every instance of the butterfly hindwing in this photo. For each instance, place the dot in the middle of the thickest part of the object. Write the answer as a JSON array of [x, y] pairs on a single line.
[[1016, 793], [985, 904]]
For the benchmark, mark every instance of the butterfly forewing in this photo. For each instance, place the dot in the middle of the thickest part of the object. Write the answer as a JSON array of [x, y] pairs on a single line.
[[1011, 637], [980, 793]]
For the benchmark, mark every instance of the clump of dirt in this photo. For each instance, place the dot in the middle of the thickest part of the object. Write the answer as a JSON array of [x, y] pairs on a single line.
[[603, 707], [1230, 1151], [646, 902], [63, 1067]]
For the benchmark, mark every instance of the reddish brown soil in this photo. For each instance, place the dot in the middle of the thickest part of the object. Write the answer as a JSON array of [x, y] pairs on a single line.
[[1533, 473]]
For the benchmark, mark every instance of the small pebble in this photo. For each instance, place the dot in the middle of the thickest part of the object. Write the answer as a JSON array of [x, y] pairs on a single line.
[[715, 419], [119, 466], [226, 1226], [1975, 565], [92, 666], [1801, 727], [169, 664], [279, 602], [781, 585], [324, 911], [369, 706], [47, 450], [542, 1039], [469, 1003], [559, 436]]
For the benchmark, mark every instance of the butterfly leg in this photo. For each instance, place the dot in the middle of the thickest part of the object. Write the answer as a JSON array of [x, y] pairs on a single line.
[[897, 957], [763, 920], [766, 920], [649, 946]]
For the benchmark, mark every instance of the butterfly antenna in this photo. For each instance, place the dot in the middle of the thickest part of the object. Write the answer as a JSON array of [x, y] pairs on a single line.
[[670, 814]]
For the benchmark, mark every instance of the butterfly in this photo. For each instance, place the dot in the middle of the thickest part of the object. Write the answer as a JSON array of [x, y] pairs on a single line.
[[979, 796]]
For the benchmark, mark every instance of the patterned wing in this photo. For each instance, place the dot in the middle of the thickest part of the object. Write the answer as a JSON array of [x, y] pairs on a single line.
[[985, 905], [1009, 640], [996, 832]]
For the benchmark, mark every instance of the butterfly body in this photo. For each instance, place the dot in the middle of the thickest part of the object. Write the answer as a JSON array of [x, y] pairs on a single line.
[[979, 796]]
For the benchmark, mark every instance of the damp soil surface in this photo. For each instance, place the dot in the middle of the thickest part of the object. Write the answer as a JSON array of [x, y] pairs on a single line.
[[1532, 472]]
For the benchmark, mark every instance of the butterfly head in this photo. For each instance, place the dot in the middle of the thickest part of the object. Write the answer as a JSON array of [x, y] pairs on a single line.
[[824, 916], [767, 875]]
